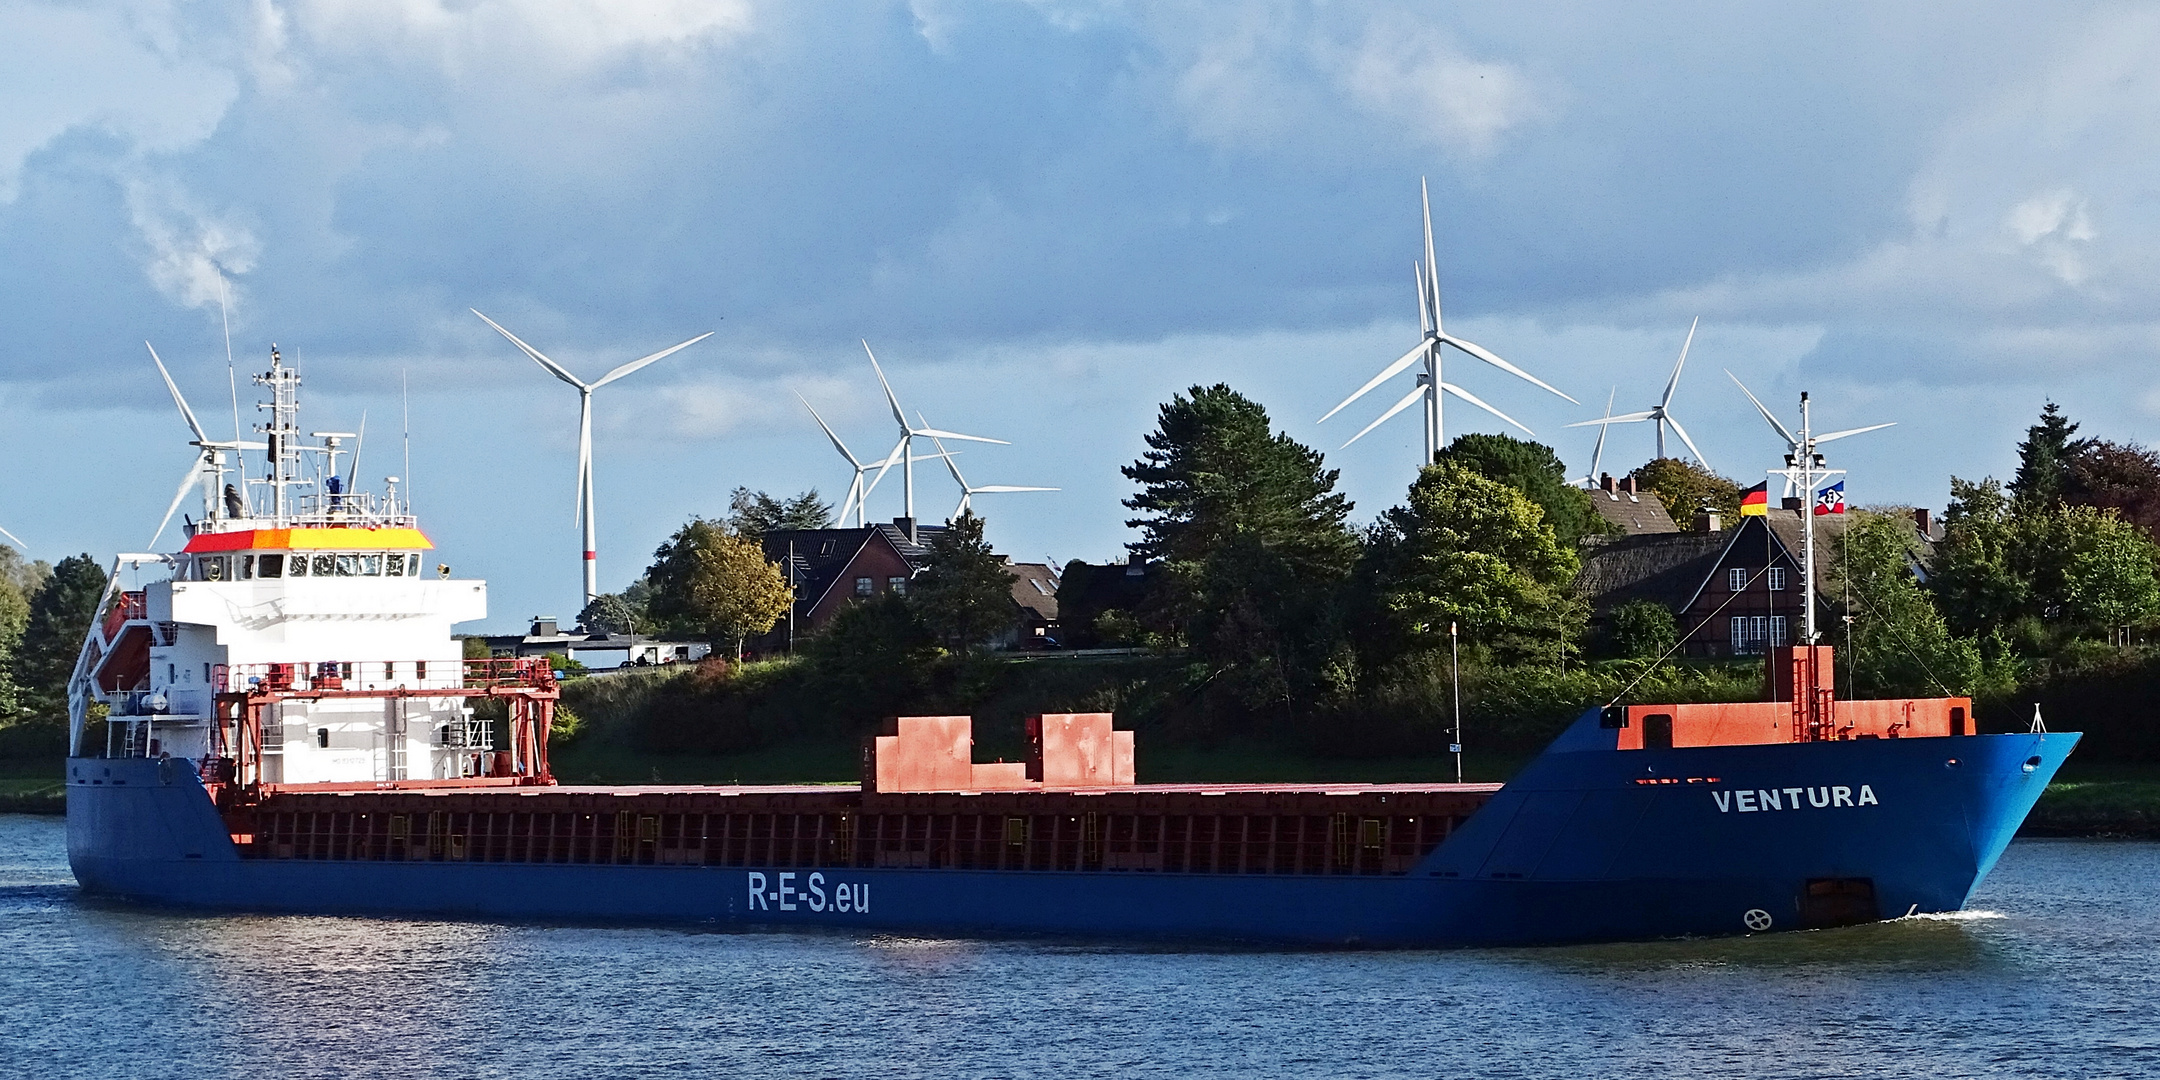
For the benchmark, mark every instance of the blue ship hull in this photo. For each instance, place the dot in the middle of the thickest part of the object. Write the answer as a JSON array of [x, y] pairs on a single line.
[[1588, 843]]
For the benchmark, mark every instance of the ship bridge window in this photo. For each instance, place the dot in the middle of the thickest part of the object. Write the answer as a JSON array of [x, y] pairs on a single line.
[[270, 566], [213, 567], [298, 567], [247, 567], [394, 566], [370, 565], [324, 565]]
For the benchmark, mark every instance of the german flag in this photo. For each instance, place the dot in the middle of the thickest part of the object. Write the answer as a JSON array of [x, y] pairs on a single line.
[[1755, 501]]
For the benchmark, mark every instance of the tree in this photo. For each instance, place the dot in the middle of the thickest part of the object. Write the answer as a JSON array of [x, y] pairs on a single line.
[[674, 567], [614, 613], [964, 593], [2108, 578], [735, 592], [1684, 486], [53, 631], [1901, 646], [873, 658], [2044, 459], [1535, 470], [1250, 533], [19, 581], [1640, 630], [1466, 550], [1976, 575], [754, 513], [2123, 477]]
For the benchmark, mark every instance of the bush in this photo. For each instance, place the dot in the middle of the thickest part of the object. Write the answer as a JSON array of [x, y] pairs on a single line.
[[1640, 630]]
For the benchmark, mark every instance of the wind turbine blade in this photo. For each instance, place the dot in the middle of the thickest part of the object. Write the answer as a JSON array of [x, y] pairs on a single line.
[[1790, 442], [1473, 399], [940, 433], [187, 483], [584, 458], [899, 448], [1007, 487], [352, 472], [891, 398], [1386, 373], [634, 365], [1412, 398], [837, 444], [1597, 456], [1486, 355], [185, 412], [1432, 264], [1673, 382], [1630, 418], [1682, 432], [538, 357], [1853, 431], [1424, 304], [951, 466], [15, 538]]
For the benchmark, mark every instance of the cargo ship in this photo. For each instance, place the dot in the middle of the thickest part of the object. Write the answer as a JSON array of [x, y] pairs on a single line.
[[276, 717]]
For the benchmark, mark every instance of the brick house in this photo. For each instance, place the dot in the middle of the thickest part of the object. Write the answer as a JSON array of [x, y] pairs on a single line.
[[1733, 591]]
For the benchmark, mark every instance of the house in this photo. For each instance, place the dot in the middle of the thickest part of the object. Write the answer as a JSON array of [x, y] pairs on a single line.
[[594, 650], [1087, 590], [832, 568], [1733, 591], [1634, 513], [1035, 595]]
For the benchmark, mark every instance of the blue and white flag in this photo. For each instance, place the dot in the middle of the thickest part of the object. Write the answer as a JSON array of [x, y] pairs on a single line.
[[1830, 500]]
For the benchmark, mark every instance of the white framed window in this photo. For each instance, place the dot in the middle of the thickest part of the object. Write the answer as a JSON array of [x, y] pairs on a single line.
[[1778, 633], [1776, 578], [897, 584], [1740, 640], [1736, 578], [865, 586]]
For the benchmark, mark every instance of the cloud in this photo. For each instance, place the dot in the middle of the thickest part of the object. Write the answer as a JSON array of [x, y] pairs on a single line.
[[191, 253], [580, 34], [114, 71]]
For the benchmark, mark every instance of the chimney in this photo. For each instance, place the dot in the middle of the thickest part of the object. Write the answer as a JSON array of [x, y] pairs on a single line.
[[544, 626], [1628, 485], [1792, 503], [906, 525], [1924, 520], [1708, 521], [1135, 566], [1605, 481]]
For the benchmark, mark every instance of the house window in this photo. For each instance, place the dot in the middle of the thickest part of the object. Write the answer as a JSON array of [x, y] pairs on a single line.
[[1776, 578], [897, 584], [825, 549], [864, 586], [1736, 578], [1039, 586], [1756, 633], [1778, 635]]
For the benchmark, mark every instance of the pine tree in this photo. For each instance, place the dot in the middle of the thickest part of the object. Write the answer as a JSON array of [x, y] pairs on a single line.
[[2044, 460]]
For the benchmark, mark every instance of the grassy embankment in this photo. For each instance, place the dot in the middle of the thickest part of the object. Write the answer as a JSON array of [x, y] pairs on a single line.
[[31, 786]]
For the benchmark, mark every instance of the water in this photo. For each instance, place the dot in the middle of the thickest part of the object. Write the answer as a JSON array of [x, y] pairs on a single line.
[[2051, 975]]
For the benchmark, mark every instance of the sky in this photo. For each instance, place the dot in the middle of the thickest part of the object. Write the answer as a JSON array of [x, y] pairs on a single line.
[[1046, 217]]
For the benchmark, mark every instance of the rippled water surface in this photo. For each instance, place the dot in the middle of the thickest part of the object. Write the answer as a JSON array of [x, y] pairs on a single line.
[[2057, 973]]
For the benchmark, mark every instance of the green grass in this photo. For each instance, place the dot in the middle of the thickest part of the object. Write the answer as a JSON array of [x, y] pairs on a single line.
[[32, 795]]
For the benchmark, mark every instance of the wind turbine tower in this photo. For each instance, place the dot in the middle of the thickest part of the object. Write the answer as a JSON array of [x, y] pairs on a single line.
[[585, 390], [1431, 386]]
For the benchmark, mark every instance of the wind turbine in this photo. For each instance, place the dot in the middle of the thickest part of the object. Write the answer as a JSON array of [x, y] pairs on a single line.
[[1431, 387], [858, 496], [1597, 456], [1802, 445], [1661, 413], [17, 540], [969, 491], [207, 468], [585, 393], [908, 435]]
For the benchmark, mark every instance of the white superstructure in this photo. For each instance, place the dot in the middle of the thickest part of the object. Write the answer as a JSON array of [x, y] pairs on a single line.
[[291, 579]]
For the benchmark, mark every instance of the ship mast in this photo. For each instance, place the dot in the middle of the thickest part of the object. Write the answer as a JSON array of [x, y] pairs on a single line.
[[1804, 469], [282, 434]]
